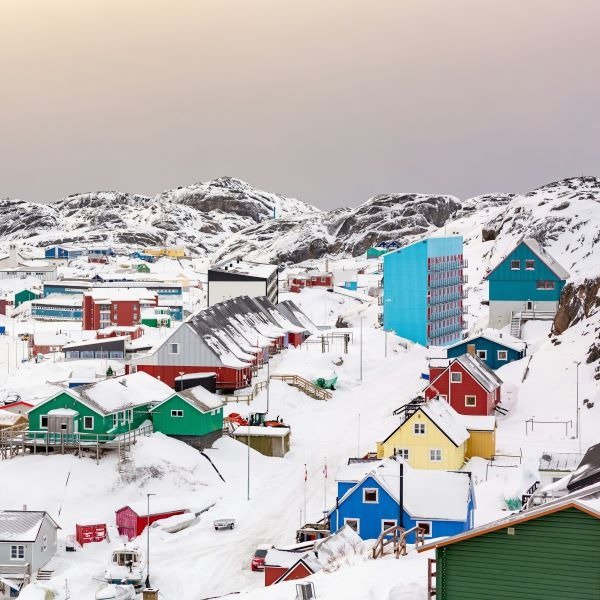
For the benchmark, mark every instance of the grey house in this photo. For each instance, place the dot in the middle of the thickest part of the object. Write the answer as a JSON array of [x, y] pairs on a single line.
[[27, 543]]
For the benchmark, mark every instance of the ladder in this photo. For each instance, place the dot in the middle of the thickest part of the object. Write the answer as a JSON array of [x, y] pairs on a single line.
[[515, 325]]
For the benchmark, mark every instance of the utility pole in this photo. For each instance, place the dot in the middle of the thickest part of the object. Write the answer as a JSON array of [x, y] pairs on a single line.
[[361, 347], [385, 335], [401, 493], [268, 382], [577, 422], [248, 466], [148, 541]]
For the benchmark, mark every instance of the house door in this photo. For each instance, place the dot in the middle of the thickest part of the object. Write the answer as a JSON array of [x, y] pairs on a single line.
[[529, 305]]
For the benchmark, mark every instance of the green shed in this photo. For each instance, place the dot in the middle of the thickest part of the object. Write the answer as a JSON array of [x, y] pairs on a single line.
[[376, 252], [25, 296], [194, 416], [142, 268], [552, 551]]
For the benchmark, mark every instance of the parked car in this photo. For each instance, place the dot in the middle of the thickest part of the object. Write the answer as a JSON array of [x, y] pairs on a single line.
[[223, 524], [258, 560]]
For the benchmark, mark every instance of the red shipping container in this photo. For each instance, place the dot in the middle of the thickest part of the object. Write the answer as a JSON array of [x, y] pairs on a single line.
[[86, 534]]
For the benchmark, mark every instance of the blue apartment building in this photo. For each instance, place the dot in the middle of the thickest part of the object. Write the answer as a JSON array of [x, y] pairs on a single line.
[[423, 293]]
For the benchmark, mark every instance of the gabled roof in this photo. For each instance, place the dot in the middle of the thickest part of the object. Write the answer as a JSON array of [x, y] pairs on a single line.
[[544, 256], [522, 517], [588, 470], [22, 525], [480, 372], [444, 417], [309, 561], [495, 336], [197, 397], [427, 494]]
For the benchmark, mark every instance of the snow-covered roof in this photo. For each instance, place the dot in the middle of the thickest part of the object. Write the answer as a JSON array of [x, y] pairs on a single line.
[[242, 267], [559, 461], [21, 525], [106, 294], [50, 338], [9, 419], [282, 558], [63, 412], [119, 393], [478, 369], [97, 342], [498, 337], [479, 422], [545, 257], [198, 397], [428, 494], [158, 505], [447, 419], [257, 430], [71, 300]]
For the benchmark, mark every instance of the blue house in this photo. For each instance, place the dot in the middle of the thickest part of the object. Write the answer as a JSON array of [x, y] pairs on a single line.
[[64, 252], [423, 291], [493, 347], [528, 280], [440, 502]]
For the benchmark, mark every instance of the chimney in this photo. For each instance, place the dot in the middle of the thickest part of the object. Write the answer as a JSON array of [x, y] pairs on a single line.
[[24, 507]]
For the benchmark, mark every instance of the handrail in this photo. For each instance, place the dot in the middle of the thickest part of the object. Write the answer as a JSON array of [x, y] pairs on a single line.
[[398, 539]]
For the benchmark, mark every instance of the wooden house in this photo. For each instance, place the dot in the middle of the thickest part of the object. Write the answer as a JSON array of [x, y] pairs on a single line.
[[527, 279], [466, 383], [552, 551], [441, 503], [270, 441], [12, 421], [106, 408], [193, 415], [482, 436], [493, 347], [431, 435], [288, 565], [25, 296], [554, 466], [46, 342], [27, 543], [131, 520], [20, 407]]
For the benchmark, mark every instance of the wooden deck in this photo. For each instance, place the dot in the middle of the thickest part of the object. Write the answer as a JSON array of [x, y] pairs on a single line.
[[396, 537]]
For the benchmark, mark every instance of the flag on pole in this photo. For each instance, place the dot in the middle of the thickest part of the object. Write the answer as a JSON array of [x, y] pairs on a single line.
[[305, 473], [325, 470]]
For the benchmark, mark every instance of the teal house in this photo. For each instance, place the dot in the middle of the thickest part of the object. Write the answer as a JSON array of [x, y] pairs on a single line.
[[194, 416], [527, 280], [423, 291], [493, 347], [106, 409], [25, 296]]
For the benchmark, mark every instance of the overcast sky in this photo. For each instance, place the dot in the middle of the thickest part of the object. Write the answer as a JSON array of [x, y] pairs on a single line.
[[331, 101]]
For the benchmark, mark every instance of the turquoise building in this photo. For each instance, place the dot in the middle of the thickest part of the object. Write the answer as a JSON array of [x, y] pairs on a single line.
[[423, 291], [527, 280]]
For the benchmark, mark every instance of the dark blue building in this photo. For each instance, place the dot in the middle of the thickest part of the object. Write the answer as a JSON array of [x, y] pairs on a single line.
[[494, 348], [440, 502], [64, 252]]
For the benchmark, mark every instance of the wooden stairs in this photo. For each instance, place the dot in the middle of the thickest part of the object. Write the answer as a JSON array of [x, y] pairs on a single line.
[[44, 575], [304, 385], [396, 536]]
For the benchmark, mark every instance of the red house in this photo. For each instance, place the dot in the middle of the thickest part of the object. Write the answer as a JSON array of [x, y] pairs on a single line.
[[132, 519], [134, 332], [282, 565], [105, 307], [466, 383], [19, 407]]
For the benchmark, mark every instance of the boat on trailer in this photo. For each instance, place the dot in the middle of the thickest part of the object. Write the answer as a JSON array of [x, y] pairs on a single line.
[[126, 568]]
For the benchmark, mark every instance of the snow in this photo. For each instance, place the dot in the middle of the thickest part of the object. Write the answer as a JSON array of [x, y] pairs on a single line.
[[447, 419], [479, 423], [8, 419], [258, 431]]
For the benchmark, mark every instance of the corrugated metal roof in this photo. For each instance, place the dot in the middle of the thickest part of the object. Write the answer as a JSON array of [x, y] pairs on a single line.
[[21, 526]]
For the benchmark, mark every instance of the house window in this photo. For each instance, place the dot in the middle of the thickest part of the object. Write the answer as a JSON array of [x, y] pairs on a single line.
[[43, 421], [115, 418], [387, 523], [130, 415], [177, 413], [443, 397], [515, 265], [173, 348], [529, 265], [17, 552], [482, 354], [402, 453], [456, 377], [470, 400], [502, 354], [425, 526], [435, 455], [354, 523], [419, 428], [370, 496], [88, 423], [322, 279], [545, 285], [45, 543]]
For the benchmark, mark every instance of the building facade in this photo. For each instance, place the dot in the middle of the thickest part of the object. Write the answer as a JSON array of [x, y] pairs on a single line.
[[528, 279], [110, 307], [423, 291], [241, 278]]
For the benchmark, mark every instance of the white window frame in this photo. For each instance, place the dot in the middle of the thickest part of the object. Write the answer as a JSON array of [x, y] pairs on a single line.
[[402, 453], [453, 380], [129, 415], [504, 352], [175, 411], [176, 345], [484, 352], [530, 260], [443, 397], [85, 418], [369, 490], [123, 417], [470, 396], [419, 428], [357, 521], [384, 521], [45, 543], [429, 524], [433, 452], [115, 419], [518, 267], [16, 549], [46, 425]]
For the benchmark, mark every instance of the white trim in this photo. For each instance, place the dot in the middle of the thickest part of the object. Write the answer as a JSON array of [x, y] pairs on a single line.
[[530, 260], [470, 396], [367, 490], [84, 420], [518, 267], [177, 413], [171, 344], [383, 521], [436, 451], [42, 417], [481, 352], [402, 452], [346, 519], [505, 352], [421, 426], [459, 373], [429, 524], [17, 546]]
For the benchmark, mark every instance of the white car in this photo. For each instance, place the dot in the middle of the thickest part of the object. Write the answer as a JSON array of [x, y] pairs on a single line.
[[223, 524]]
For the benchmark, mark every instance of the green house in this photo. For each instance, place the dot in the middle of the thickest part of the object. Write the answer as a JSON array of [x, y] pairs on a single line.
[[142, 268], [194, 416], [106, 409], [376, 252], [25, 296], [552, 551]]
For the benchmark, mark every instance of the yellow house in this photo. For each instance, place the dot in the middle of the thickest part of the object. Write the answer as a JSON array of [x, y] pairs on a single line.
[[432, 435], [174, 252], [482, 436]]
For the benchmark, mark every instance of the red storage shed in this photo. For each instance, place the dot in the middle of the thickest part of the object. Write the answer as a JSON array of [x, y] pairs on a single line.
[[132, 519], [86, 534]]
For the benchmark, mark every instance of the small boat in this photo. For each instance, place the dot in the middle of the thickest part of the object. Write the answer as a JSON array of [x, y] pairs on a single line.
[[176, 522], [115, 592], [127, 567]]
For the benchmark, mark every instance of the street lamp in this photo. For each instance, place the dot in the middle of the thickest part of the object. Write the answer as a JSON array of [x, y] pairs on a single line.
[[361, 347], [577, 422], [148, 541]]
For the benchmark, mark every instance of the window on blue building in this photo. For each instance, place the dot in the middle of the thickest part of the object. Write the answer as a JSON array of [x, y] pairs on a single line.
[[530, 265], [502, 355], [353, 523], [370, 496], [545, 285], [515, 265]]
